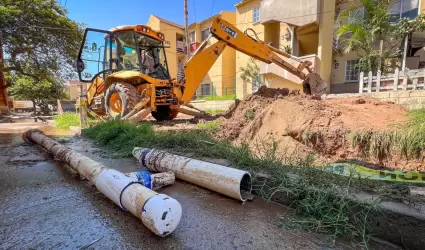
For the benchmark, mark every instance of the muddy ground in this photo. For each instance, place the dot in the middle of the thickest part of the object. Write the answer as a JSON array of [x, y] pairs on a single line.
[[44, 205]]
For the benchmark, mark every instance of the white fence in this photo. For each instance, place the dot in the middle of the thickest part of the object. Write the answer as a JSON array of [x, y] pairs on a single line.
[[400, 80]]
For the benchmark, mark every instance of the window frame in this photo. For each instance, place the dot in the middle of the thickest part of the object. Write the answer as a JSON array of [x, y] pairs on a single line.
[[203, 85], [256, 13], [194, 37], [358, 11], [207, 34], [396, 19], [346, 80]]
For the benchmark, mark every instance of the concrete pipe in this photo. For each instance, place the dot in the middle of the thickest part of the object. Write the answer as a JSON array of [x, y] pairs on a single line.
[[224, 180], [159, 213]]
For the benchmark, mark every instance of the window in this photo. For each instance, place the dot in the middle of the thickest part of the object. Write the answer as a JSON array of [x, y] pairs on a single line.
[[404, 9], [192, 37], [204, 34], [205, 89], [256, 15], [356, 16], [352, 71]]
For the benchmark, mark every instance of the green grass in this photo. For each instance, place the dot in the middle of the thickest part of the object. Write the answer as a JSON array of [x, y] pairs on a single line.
[[249, 115], [214, 111], [66, 120], [217, 98], [209, 125], [323, 201], [406, 140]]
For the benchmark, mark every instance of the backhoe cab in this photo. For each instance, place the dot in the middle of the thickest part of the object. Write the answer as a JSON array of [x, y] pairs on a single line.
[[127, 66], [129, 77]]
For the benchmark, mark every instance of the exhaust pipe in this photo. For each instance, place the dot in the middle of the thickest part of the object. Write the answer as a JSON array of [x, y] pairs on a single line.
[[159, 213], [224, 180]]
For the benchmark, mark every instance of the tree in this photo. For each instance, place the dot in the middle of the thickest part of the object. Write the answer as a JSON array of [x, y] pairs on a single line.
[[361, 31], [42, 93], [39, 40], [251, 72]]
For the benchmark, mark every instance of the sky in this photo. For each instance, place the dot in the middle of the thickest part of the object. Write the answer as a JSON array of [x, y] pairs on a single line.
[[106, 14]]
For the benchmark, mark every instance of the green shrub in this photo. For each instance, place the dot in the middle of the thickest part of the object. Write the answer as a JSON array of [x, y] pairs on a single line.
[[66, 120]]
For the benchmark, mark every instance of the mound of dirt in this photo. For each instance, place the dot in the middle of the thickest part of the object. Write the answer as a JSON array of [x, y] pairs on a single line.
[[303, 125]]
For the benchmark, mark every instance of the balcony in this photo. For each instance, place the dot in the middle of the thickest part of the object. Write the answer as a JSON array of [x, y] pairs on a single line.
[[181, 47], [297, 13], [278, 71]]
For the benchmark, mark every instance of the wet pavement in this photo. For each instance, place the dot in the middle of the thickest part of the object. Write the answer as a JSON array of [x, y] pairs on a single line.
[[45, 205]]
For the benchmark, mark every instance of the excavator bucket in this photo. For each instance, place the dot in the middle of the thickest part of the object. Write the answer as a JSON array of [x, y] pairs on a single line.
[[314, 85]]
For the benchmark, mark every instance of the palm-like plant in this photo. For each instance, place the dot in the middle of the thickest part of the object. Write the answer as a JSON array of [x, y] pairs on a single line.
[[361, 31]]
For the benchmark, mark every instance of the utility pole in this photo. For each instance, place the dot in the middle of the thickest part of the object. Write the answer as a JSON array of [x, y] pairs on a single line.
[[186, 14], [82, 106]]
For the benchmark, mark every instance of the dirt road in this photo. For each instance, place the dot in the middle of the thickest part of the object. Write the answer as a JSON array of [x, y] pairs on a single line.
[[43, 205]]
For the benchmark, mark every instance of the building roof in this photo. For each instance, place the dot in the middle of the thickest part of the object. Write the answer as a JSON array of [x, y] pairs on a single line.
[[169, 22], [242, 2], [206, 20]]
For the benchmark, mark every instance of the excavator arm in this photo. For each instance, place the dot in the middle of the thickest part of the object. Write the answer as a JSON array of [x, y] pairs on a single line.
[[228, 35]]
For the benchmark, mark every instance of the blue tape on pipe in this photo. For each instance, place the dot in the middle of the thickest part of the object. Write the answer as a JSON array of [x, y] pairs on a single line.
[[143, 157], [144, 177]]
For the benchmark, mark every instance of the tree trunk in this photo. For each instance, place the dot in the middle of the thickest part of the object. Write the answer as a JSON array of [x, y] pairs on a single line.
[[34, 109]]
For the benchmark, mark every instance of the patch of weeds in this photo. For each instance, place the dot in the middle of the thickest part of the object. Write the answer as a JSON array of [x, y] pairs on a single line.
[[210, 125], [66, 120], [249, 114], [406, 140], [217, 98], [214, 111]]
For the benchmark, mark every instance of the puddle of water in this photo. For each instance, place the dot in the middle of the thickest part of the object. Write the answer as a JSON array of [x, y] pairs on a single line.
[[18, 126]]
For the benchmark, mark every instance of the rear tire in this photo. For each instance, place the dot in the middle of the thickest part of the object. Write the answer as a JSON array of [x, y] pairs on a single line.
[[120, 99], [164, 113]]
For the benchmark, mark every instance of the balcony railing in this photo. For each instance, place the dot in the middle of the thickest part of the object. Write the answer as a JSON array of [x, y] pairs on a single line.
[[276, 70], [181, 48]]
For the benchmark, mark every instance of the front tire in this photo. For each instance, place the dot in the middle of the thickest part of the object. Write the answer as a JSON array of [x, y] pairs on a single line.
[[164, 113], [120, 99]]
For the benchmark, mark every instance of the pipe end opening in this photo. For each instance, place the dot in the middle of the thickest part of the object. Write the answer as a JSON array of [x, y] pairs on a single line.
[[246, 187]]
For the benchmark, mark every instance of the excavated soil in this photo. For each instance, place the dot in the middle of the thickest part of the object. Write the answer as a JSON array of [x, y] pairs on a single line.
[[303, 125]]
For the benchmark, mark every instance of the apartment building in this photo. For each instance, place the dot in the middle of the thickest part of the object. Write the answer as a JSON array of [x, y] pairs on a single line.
[[345, 74], [220, 79], [174, 40], [306, 29]]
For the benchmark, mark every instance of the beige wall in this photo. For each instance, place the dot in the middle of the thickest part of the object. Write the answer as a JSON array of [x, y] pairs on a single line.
[[244, 21], [296, 12], [273, 81], [223, 72], [73, 91], [170, 33]]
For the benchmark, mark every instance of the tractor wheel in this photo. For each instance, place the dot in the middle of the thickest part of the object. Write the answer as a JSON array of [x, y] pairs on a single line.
[[120, 99], [164, 113]]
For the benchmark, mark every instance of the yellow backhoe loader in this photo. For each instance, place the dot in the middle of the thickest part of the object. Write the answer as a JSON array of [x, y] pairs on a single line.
[[128, 72]]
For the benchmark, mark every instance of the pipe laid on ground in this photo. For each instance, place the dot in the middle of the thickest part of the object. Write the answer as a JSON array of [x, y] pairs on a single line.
[[153, 181], [159, 213], [191, 112], [138, 107], [228, 181], [139, 116]]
